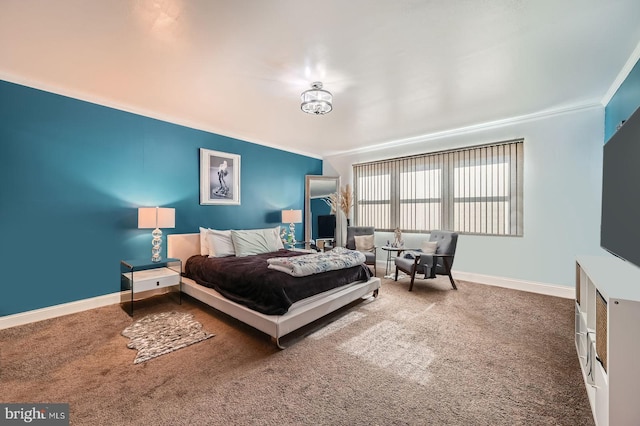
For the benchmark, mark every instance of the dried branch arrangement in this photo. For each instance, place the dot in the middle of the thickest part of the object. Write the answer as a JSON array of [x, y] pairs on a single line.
[[346, 199], [332, 201]]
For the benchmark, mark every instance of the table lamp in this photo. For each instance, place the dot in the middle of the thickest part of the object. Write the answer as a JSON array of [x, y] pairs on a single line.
[[156, 218], [292, 217]]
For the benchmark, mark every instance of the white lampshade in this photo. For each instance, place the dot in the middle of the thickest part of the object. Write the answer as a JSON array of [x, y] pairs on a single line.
[[156, 217], [291, 216]]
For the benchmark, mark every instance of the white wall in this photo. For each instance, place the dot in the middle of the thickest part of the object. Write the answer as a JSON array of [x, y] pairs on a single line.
[[562, 193]]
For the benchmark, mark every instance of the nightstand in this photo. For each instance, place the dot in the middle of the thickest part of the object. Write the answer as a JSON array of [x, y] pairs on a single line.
[[304, 246], [141, 275]]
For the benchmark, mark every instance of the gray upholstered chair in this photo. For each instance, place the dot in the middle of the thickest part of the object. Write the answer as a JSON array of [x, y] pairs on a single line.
[[352, 231], [439, 263]]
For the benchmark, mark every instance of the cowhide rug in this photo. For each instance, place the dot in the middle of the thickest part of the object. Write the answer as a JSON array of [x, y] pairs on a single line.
[[159, 334]]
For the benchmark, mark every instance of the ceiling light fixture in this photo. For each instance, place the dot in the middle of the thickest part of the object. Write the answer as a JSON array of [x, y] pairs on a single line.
[[316, 100]]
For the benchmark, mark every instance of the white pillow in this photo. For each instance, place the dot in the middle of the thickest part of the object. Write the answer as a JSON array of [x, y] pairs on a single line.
[[220, 243], [277, 243], [429, 247], [364, 242], [255, 241], [204, 242]]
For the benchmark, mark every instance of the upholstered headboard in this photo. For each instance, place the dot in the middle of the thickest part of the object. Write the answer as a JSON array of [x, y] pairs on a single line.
[[183, 246]]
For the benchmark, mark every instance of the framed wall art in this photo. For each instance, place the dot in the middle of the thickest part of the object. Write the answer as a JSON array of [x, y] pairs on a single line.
[[219, 177]]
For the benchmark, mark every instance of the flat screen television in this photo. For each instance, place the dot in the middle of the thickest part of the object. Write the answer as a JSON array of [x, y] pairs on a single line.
[[620, 225], [327, 226]]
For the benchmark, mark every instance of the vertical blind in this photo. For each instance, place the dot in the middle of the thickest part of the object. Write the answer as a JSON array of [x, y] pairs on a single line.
[[476, 190]]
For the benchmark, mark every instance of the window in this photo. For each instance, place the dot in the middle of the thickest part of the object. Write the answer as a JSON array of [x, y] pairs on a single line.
[[475, 190]]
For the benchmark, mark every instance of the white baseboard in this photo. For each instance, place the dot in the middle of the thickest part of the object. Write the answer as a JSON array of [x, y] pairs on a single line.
[[58, 310], [113, 298], [530, 286]]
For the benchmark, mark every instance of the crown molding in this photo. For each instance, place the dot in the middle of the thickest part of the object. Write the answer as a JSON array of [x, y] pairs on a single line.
[[110, 103], [470, 129], [622, 75]]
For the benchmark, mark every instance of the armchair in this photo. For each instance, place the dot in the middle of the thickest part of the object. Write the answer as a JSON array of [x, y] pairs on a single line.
[[431, 264], [369, 252]]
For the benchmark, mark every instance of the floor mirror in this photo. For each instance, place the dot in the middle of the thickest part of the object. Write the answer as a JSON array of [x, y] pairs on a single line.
[[321, 224]]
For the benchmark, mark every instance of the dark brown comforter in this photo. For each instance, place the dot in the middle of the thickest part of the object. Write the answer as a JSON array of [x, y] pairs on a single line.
[[248, 281]]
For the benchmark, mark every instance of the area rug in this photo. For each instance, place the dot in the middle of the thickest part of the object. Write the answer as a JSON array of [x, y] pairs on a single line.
[[159, 334]]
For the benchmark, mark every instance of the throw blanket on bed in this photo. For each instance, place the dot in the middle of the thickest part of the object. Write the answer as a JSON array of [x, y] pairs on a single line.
[[309, 264]]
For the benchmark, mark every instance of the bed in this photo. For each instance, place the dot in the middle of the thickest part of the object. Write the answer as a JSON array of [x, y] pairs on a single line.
[[299, 314]]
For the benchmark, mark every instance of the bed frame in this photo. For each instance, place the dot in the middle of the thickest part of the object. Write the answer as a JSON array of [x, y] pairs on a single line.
[[301, 313]]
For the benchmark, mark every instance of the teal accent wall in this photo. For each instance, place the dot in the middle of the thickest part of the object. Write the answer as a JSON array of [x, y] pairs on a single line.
[[73, 173], [625, 101]]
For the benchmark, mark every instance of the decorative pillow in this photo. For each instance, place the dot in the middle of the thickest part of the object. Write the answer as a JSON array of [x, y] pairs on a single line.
[[220, 243], [364, 242], [429, 247], [204, 242], [278, 244], [255, 241]]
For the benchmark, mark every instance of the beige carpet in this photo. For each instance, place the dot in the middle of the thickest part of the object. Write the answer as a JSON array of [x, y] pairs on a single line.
[[477, 356]]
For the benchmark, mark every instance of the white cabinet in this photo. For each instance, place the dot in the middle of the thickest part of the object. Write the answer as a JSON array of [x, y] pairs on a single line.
[[142, 275], [608, 337]]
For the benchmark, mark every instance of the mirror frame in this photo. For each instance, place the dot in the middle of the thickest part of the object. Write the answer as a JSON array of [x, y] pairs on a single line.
[[307, 202]]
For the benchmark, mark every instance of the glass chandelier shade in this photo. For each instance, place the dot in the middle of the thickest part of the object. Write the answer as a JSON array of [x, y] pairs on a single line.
[[316, 100]]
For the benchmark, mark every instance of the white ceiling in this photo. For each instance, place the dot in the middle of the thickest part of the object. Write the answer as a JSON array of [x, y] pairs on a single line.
[[398, 69]]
